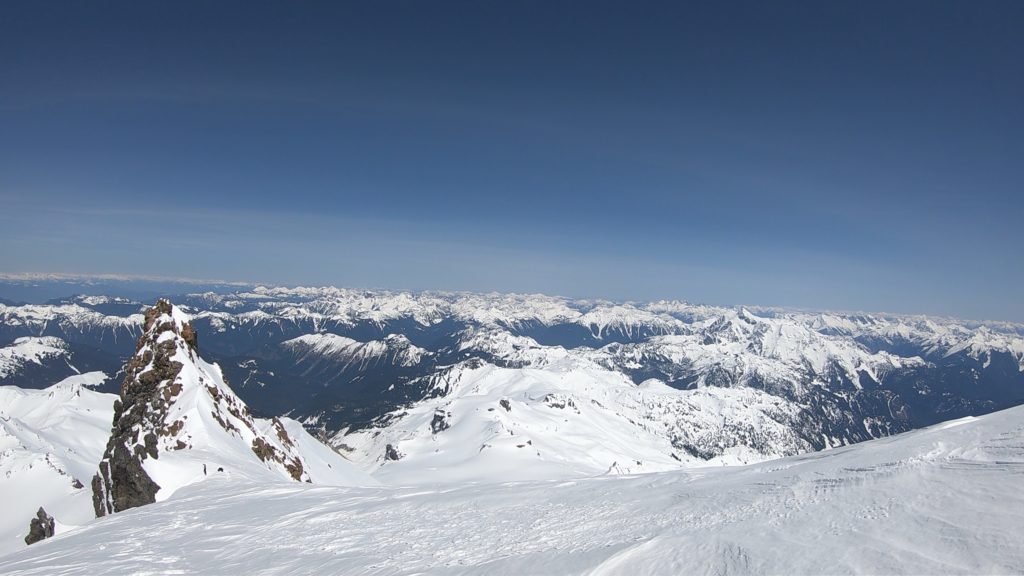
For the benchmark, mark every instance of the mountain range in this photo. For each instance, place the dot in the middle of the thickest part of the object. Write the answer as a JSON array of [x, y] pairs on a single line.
[[398, 380], [112, 404]]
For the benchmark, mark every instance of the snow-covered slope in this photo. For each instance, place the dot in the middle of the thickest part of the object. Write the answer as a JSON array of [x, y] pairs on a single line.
[[348, 353], [943, 500], [50, 442], [177, 422], [483, 423]]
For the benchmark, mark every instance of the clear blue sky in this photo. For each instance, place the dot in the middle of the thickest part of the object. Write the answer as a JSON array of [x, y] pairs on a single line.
[[851, 155]]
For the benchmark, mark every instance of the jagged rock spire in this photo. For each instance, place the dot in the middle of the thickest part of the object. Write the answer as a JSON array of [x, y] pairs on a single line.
[[122, 482], [171, 402]]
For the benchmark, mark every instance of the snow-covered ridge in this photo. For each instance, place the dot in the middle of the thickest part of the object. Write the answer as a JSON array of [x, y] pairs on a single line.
[[396, 348], [661, 317], [176, 423], [38, 319], [513, 350], [517, 312], [91, 300], [772, 349], [30, 349], [569, 420]]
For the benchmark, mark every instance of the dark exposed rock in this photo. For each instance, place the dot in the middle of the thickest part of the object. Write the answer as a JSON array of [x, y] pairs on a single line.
[[504, 403], [440, 421], [392, 453], [40, 527], [122, 482]]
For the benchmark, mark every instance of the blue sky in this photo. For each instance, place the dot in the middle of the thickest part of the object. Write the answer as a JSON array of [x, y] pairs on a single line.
[[827, 155]]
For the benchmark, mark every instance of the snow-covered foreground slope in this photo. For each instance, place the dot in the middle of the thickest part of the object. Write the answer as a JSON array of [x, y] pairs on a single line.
[[50, 442], [941, 500]]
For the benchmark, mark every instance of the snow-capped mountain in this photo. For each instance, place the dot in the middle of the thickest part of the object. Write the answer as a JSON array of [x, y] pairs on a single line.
[[334, 356], [15, 357], [354, 363], [943, 500], [72, 322]]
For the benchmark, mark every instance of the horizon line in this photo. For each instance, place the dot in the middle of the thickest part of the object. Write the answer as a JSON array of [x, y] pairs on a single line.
[[70, 276]]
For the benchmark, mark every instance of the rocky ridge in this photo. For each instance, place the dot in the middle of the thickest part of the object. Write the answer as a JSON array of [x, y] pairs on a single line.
[[169, 401]]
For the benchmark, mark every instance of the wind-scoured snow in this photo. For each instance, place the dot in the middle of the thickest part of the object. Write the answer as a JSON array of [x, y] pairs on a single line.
[[944, 500]]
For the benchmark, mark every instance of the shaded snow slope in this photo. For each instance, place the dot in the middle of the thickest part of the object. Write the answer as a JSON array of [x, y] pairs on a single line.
[[939, 500]]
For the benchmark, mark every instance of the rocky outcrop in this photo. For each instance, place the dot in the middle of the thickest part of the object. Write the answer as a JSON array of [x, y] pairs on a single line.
[[170, 400], [146, 393], [441, 421], [391, 453], [40, 528]]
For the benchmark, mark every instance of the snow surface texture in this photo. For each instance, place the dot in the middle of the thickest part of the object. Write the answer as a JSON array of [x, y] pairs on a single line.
[[943, 500]]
